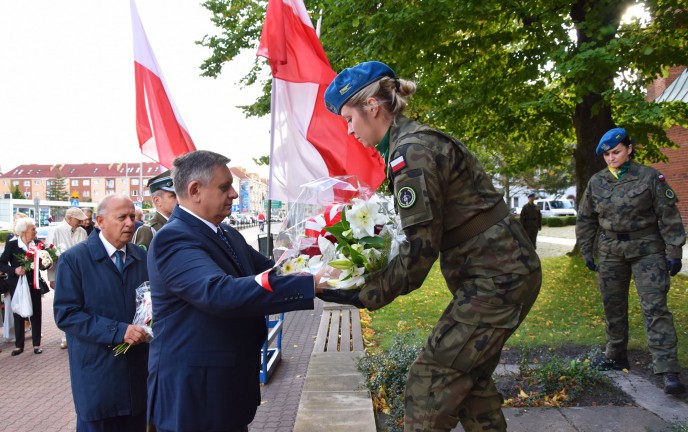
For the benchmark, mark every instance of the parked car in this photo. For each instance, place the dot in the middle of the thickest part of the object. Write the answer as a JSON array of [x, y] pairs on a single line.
[[555, 207]]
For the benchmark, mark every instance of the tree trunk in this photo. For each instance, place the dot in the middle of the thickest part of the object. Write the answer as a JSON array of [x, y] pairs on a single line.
[[589, 129]]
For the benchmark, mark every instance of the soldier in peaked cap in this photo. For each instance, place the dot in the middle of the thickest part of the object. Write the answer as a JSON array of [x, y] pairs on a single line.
[[164, 199], [448, 209], [641, 234]]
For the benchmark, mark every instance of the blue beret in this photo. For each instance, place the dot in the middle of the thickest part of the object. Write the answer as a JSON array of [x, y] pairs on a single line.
[[610, 140], [530, 195], [351, 80]]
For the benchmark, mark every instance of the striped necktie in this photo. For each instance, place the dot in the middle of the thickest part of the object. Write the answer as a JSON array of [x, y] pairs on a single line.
[[235, 257]]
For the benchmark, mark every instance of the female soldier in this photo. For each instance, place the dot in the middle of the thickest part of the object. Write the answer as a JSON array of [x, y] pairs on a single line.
[[641, 234], [448, 207]]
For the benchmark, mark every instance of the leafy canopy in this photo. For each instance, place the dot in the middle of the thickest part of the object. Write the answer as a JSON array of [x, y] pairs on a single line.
[[547, 76]]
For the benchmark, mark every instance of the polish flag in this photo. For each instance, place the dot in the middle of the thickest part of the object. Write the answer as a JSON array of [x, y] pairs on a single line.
[[161, 131], [308, 141]]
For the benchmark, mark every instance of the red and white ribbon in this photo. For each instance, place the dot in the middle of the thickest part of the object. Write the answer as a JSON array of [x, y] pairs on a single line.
[[36, 266], [315, 225]]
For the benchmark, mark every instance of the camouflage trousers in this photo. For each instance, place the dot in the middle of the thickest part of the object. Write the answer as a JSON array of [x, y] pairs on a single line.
[[451, 379], [652, 283]]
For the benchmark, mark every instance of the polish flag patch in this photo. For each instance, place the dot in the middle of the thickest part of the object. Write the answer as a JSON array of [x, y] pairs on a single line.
[[661, 177], [398, 164]]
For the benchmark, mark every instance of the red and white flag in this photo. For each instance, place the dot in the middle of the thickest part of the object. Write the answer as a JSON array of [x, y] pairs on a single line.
[[160, 129], [308, 141]]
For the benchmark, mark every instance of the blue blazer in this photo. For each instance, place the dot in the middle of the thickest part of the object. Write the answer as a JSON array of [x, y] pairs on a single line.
[[209, 325], [94, 303]]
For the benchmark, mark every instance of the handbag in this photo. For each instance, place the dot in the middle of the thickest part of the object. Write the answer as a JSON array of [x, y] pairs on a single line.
[[21, 301], [43, 286]]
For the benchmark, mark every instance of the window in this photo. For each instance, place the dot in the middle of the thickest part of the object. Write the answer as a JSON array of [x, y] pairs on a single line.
[[146, 192], [110, 183], [86, 194], [37, 182], [96, 181], [86, 182], [134, 193], [109, 192], [124, 180], [27, 195], [95, 193], [35, 194], [134, 182], [75, 182], [5, 183], [15, 183], [27, 182]]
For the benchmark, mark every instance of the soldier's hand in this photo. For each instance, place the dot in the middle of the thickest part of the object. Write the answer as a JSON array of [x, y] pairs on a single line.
[[590, 263], [348, 297], [674, 266]]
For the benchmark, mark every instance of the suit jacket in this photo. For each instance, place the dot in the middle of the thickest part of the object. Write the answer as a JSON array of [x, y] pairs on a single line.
[[209, 325], [94, 303], [9, 262]]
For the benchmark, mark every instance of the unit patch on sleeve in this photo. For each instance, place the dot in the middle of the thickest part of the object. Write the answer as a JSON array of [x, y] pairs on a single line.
[[406, 197], [670, 194]]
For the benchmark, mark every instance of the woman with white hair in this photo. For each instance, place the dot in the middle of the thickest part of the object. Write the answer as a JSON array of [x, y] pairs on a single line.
[[10, 264]]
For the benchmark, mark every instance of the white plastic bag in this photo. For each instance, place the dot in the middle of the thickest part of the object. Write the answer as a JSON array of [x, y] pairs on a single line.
[[21, 301]]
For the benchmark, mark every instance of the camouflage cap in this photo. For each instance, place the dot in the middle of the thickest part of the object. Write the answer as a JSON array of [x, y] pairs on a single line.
[[162, 181], [610, 140], [351, 80]]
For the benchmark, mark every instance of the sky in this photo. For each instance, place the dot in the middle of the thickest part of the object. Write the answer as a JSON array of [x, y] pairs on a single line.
[[67, 83]]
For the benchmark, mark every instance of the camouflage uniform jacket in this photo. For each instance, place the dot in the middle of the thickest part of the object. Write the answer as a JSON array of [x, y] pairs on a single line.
[[531, 218], [438, 186], [144, 235], [641, 200]]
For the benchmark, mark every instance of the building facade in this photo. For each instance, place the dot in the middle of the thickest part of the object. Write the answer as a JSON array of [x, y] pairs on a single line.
[[674, 87], [91, 182]]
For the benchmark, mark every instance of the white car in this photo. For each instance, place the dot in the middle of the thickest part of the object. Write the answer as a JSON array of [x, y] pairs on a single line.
[[5, 226], [555, 207]]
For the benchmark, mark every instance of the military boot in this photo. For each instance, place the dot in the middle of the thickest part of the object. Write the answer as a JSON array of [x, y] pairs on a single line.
[[672, 384], [605, 364]]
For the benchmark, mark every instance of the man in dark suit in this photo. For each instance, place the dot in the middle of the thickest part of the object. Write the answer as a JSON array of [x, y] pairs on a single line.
[[95, 306], [209, 306]]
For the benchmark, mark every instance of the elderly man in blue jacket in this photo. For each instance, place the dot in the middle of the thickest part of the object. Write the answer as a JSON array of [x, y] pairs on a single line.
[[209, 307], [95, 306]]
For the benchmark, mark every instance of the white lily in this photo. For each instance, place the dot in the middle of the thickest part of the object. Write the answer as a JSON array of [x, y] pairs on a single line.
[[363, 216], [349, 279]]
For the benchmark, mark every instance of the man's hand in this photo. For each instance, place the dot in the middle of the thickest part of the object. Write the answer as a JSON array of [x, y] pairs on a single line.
[[135, 335], [590, 263], [674, 266], [348, 297]]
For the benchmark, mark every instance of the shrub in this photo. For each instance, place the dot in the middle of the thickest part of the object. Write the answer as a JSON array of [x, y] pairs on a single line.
[[386, 374], [570, 220], [556, 222], [3, 236]]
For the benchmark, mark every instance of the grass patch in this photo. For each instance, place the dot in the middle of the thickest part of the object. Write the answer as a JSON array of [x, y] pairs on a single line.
[[568, 311]]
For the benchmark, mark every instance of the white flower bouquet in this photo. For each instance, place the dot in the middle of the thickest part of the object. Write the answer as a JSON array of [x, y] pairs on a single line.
[[142, 317], [343, 226]]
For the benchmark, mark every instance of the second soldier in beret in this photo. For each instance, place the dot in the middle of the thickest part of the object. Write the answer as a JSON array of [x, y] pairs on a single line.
[[632, 211], [531, 219], [164, 199], [449, 209]]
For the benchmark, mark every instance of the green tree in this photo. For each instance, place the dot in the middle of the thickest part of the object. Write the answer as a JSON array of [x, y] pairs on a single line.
[[543, 73], [57, 189], [16, 193]]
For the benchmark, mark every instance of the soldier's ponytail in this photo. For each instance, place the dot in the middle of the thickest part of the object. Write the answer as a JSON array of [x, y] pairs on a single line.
[[391, 94]]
